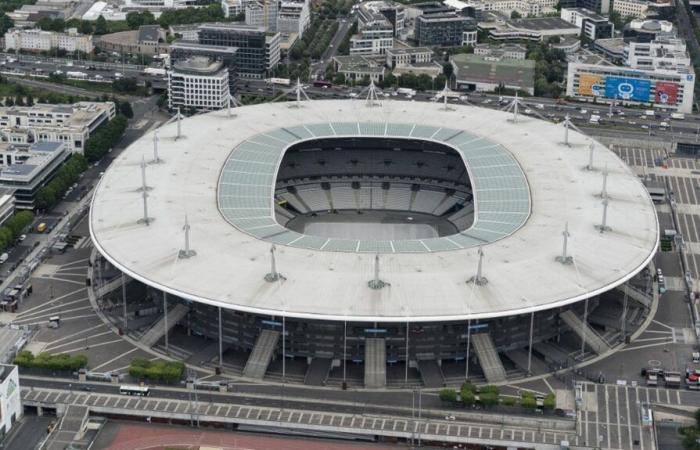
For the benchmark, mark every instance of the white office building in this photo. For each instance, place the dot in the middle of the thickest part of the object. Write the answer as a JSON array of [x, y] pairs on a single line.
[[39, 40], [660, 54], [232, 8], [198, 83], [28, 168], [666, 89], [10, 402], [262, 14], [70, 124], [293, 17]]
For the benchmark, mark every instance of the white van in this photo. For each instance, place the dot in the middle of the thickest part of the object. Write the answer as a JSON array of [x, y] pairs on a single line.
[[4, 257]]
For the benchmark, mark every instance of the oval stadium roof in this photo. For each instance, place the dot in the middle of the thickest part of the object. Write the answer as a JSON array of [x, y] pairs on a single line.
[[425, 283]]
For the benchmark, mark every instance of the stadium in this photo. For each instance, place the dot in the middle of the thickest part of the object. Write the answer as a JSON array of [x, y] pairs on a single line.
[[374, 245]]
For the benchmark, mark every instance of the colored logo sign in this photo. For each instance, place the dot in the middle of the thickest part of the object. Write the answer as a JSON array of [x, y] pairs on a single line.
[[666, 93], [627, 89], [590, 84]]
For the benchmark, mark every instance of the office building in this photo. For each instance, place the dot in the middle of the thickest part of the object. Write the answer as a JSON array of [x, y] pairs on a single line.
[[631, 8], [70, 124], [29, 167], [39, 40], [660, 54], [198, 83], [599, 6], [445, 30], [257, 51], [372, 40], [526, 8], [181, 51], [262, 13], [670, 89], [359, 67], [405, 56], [10, 402], [381, 12], [647, 30], [232, 8], [501, 51], [531, 29], [293, 17], [592, 25]]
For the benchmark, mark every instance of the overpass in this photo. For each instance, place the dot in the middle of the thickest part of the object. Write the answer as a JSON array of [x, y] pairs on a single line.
[[522, 432]]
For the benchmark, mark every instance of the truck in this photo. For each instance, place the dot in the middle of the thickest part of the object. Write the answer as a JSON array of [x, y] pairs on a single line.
[[595, 119], [692, 379], [672, 379], [649, 113], [76, 75], [4, 257], [406, 91], [677, 116], [281, 81], [154, 71], [322, 83]]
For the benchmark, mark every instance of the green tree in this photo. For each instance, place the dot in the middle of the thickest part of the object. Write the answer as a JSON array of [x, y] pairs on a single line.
[[101, 25], [448, 395], [30, 100], [5, 23], [125, 109], [447, 70], [515, 15], [549, 402]]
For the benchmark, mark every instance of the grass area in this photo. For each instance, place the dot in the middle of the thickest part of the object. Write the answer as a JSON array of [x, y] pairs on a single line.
[[9, 89]]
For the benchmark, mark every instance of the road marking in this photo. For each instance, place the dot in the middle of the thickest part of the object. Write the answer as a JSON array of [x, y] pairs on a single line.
[[617, 412], [53, 300], [678, 397], [51, 347], [607, 414], [629, 413]]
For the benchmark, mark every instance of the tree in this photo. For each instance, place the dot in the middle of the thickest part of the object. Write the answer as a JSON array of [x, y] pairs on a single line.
[[85, 27], [30, 100], [549, 402], [19, 101], [448, 395], [447, 70], [5, 23], [9, 101], [515, 15], [125, 108], [101, 25]]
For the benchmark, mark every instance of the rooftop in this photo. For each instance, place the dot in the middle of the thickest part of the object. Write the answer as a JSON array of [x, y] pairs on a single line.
[[485, 68], [428, 279], [199, 64], [540, 23]]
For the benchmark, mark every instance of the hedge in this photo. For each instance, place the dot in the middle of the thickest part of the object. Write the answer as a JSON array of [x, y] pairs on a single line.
[[61, 361], [165, 371]]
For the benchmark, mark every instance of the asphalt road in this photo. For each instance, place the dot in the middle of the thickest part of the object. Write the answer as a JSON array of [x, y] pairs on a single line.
[[319, 68]]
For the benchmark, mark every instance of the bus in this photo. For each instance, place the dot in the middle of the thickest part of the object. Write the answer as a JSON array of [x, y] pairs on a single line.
[[141, 391]]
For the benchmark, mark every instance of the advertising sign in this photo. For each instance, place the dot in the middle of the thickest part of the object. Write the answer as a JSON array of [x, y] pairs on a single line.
[[628, 88], [590, 84], [666, 93]]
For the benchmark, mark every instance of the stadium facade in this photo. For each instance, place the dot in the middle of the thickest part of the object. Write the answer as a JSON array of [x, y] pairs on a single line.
[[342, 233]]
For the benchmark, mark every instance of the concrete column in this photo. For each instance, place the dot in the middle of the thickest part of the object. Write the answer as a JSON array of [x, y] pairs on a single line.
[[469, 343], [165, 320], [221, 343], [529, 347], [126, 320]]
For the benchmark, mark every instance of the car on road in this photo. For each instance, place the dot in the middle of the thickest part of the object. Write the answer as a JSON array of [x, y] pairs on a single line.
[[22, 237]]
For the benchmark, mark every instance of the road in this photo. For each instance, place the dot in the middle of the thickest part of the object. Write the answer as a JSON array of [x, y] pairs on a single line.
[[319, 68]]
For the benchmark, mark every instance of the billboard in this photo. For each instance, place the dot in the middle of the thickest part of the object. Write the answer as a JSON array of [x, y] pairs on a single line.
[[666, 93], [628, 88], [590, 84]]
